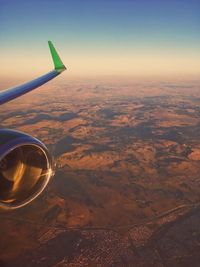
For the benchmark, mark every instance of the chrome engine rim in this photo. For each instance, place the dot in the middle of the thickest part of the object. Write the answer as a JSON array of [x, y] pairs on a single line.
[[50, 167]]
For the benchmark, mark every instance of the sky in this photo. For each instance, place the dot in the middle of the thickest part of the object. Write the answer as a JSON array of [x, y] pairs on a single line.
[[101, 37]]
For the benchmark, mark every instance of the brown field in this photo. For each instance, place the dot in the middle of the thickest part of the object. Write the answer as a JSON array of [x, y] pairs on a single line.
[[127, 187]]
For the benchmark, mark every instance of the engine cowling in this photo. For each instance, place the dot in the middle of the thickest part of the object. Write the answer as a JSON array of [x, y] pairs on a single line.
[[25, 168]]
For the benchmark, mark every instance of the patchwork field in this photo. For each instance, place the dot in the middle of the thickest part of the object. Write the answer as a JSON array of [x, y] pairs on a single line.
[[127, 186]]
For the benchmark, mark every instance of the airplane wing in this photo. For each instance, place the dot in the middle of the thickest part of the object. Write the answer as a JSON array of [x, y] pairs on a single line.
[[11, 93]]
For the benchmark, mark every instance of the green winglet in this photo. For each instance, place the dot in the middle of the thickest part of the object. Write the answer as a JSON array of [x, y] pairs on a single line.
[[59, 66]]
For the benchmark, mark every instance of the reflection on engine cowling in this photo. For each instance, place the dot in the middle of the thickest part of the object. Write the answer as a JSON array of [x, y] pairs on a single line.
[[24, 173]]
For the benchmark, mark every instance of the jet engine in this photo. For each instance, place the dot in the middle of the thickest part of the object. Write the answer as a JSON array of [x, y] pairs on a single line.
[[25, 168]]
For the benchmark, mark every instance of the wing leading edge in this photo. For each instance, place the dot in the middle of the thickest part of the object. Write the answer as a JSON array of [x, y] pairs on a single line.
[[9, 94]]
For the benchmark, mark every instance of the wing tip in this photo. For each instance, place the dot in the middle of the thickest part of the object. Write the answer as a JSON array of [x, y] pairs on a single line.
[[58, 64]]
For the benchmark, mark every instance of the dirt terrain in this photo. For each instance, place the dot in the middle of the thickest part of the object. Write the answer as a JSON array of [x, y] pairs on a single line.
[[127, 186]]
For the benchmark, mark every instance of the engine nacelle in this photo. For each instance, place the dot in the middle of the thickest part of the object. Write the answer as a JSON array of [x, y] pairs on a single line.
[[25, 168]]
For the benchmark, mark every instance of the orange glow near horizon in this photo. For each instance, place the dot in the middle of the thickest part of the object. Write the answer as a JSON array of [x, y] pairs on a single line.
[[123, 63]]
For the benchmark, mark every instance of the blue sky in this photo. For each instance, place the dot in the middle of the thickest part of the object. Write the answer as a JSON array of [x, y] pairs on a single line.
[[104, 32]]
